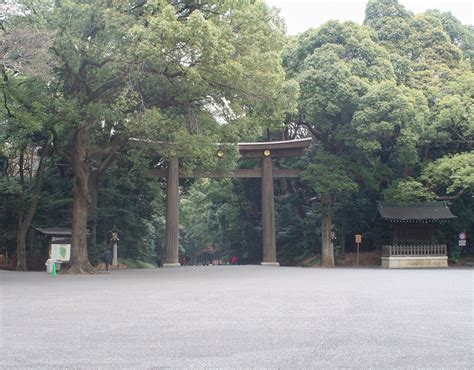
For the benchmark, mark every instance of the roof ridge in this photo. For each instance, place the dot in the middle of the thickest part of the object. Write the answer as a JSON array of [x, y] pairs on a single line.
[[413, 204]]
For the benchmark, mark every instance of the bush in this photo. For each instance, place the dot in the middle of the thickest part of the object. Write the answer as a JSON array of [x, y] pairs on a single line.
[[136, 264]]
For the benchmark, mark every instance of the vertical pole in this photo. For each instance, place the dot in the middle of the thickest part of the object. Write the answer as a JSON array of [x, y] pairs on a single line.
[[114, 254], [172, 215], [358, 245], [268, 214]]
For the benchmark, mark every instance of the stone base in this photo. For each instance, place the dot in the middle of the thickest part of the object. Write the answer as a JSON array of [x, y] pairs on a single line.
[[274, 264], [166, 265], [402, 262]]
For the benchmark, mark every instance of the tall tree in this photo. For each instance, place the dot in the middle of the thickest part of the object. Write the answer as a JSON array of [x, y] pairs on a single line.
[[360, 119], [23, 62], [160, 69], [28, 146]]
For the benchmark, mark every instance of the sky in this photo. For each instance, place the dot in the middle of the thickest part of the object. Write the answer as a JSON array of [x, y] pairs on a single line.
[[300, 15]]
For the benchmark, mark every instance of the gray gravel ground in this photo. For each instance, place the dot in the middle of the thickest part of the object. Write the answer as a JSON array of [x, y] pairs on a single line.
[[239, 317]]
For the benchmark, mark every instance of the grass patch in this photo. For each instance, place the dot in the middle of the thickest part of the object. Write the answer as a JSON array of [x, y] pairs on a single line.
[[136, 264], [313, 261]]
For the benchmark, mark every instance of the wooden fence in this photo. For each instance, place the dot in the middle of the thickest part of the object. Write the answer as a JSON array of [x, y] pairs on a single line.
[[414, 250]]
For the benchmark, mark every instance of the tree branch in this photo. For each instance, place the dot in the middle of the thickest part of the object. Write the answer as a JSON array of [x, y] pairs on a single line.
[[57, 147], [452, 197], [109, 148], [97, 93]]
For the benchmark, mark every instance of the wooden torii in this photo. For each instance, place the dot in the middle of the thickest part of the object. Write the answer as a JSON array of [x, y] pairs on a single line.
[[264, 150]]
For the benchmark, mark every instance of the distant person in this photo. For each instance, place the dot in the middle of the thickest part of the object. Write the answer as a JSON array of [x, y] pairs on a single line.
[[234, 260], [107, 256], [158, 262]]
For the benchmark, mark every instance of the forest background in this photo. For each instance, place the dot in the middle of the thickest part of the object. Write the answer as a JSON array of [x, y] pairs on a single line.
[[388, 104]]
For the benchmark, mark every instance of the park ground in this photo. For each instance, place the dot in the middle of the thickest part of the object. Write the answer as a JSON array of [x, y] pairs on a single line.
[[238, 317]]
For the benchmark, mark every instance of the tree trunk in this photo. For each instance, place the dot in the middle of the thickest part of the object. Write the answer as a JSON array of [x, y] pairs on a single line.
[[21, 241], [21, 244], [79, 259], [25, 219], [327, 259], [94, 183]]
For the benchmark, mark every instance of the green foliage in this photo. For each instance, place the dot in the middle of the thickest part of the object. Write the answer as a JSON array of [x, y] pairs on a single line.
[[217, 211], [451, 174], [452, 126], [327, 173], [407, 190], [460, 35]]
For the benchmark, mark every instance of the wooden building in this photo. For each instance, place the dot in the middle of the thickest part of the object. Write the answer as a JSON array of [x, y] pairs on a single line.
[[413, 241], [59, 243]]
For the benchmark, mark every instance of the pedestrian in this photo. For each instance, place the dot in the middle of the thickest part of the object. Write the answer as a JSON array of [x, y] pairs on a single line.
[[107, 256]]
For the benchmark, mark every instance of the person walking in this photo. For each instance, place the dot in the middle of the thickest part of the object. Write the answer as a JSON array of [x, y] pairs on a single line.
[[107, 256]]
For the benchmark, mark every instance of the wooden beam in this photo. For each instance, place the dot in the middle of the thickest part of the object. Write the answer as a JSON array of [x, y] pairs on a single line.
[[286, 148], [172, 215], [273, 145], [274, 153], [268, 214], [239, 173]]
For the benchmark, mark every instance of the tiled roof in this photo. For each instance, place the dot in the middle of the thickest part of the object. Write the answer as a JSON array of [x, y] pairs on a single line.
[[416, 211]]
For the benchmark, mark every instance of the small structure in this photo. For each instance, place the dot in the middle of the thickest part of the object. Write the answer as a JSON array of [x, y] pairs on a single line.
[[59, 244], [413, 234]]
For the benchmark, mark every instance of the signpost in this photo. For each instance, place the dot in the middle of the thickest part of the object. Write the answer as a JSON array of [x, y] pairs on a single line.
[[358, 239], [61, 252], [462, 239]]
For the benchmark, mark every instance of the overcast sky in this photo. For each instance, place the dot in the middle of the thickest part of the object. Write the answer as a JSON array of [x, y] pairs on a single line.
[[303, 14]]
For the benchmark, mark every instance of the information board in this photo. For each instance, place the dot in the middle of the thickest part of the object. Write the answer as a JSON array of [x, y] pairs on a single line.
[[61, 252]]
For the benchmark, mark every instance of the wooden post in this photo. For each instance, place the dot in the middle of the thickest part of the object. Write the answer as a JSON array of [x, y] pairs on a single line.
[[268, 214], [358, 240], [172, 215], [358, 246]]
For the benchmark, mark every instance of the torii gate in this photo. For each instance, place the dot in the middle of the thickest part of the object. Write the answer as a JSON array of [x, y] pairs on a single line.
[[264, 150]]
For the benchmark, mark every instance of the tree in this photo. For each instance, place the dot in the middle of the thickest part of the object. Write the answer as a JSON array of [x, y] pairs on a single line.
[[23, 130], [421, 51], [360, 119], [452, 175], [461, 35], [160, 69], [28, 151]]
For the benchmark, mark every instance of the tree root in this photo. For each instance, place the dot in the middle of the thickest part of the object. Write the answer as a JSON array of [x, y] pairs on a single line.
[[80, 268]]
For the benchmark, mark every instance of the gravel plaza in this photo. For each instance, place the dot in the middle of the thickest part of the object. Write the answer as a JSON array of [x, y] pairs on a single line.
[[238, 317]]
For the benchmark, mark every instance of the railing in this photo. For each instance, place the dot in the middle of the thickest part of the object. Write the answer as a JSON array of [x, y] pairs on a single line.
[[414, 250]]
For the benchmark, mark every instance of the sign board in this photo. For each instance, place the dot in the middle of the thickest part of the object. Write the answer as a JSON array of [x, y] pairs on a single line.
[[462, 236], [358, 238], [61, 252], [462, 243]]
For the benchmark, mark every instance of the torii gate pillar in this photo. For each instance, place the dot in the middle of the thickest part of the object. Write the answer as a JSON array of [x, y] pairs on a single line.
[[172, 215], [268, 214]]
